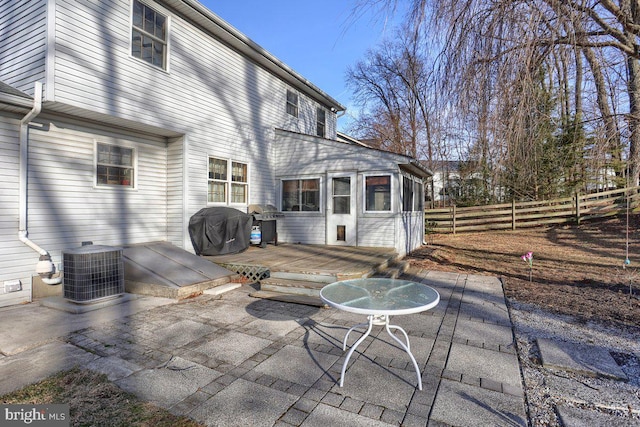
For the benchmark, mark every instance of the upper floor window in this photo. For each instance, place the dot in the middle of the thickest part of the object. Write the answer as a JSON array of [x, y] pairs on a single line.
[[321, 122], [292, 103], [115, 165], [378, 193], [228, 182], [149, 35]]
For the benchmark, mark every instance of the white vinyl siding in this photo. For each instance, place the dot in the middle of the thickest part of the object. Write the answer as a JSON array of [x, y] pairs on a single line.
[[23, 32], [303, 155], [65, 212], [223, 101], [16, 259]]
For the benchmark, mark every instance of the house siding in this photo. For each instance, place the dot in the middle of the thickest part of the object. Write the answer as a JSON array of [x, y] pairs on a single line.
[[226, 104], [23, 35], [313, 158], [67, 208], [15, 258]]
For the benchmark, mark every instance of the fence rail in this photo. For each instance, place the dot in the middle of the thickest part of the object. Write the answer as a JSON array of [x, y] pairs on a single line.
[[531, 214]]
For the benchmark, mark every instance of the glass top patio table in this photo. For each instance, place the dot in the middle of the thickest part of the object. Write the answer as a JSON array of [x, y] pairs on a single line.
[[379, 296]]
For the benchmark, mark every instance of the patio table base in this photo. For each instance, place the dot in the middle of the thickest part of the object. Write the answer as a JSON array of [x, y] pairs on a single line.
[[378, 320]]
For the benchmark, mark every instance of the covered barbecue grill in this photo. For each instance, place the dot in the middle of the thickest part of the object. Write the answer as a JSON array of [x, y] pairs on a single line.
[[264, 217], [219, 231]]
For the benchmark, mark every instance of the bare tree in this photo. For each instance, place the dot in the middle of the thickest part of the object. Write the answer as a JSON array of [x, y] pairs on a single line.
[[515, 83]]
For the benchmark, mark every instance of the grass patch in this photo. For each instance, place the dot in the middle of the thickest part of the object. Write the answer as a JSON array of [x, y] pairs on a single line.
[[95, 401]]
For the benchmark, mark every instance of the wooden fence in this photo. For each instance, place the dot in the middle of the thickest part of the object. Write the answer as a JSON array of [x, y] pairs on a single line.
[[531, 214]]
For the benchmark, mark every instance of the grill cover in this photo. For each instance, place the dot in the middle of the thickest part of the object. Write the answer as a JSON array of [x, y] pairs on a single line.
[[219, 231]]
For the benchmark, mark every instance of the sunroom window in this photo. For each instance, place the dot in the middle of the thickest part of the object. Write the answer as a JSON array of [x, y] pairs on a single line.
[[378, 193], [115, 165], [149, 35], [301, 195], [407, 194], [418, 196]]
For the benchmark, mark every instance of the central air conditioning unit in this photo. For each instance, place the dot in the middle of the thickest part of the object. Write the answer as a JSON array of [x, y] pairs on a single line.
[[93, 273]]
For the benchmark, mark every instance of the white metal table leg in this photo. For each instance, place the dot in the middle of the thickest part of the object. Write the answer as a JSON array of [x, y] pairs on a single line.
[[356, 344], [346, 337], [378, 320], [406, 348]]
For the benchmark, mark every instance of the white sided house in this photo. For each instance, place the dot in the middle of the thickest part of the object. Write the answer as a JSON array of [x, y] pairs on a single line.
[[120, 119]]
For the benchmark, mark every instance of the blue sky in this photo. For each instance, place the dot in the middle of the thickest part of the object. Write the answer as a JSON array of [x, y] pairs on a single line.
[[317, 38]]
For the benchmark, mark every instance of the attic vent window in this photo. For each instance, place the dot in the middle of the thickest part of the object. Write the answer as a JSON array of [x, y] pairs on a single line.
[[149, 35], [292, 103]]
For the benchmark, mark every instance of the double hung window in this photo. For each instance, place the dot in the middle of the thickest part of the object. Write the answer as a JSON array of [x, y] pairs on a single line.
[[292, 103], [115, 165], [149, 35], [321, 122], [228, 182]]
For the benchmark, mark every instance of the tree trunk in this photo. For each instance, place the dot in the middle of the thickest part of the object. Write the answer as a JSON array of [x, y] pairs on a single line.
[[633, 66]]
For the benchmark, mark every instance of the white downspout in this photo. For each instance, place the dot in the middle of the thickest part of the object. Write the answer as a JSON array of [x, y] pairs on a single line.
[[45, 268]]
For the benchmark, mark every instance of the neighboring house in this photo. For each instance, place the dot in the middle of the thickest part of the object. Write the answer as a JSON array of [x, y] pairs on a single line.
[[120, 119], [445, 186]]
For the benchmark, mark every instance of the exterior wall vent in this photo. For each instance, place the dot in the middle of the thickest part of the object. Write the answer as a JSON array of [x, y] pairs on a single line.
[[93, 273]]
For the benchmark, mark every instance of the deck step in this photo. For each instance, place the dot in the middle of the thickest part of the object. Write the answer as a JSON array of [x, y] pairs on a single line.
[[394, 270], [286, 297], [297, 287], [323, 278]]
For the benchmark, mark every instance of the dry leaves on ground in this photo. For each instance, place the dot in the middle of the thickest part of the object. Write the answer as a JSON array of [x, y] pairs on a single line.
[[577, 270]]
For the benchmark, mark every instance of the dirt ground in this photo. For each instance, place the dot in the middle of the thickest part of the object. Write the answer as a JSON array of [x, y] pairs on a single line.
[[577, 270]]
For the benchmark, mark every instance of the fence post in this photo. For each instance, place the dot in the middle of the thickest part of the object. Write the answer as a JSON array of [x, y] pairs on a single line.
[[513, 214], [453, 219], [577, 203]]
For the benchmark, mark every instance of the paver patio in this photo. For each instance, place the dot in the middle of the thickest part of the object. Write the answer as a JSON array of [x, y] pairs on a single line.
[[231, 359]]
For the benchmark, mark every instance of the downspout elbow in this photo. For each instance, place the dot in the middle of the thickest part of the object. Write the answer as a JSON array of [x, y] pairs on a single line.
[[22, 235]]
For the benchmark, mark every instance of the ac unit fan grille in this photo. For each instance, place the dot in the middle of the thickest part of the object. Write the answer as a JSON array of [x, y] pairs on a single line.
[[92, 273]]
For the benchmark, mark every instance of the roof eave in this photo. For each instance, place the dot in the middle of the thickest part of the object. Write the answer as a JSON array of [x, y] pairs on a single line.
[[414, 168]]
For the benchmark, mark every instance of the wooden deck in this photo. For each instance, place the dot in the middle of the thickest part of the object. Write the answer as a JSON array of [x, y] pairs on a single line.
[[340, 261]]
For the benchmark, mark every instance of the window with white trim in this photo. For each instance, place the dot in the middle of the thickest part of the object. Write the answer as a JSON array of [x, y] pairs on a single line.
[[115, 165], [407, 194], [321, 122], [228, 182], [377, 193], [301, 195], [292, 103], [149, 35], [418, 196]]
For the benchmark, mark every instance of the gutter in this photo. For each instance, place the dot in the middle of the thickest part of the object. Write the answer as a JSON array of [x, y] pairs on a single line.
[[45, 267]]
